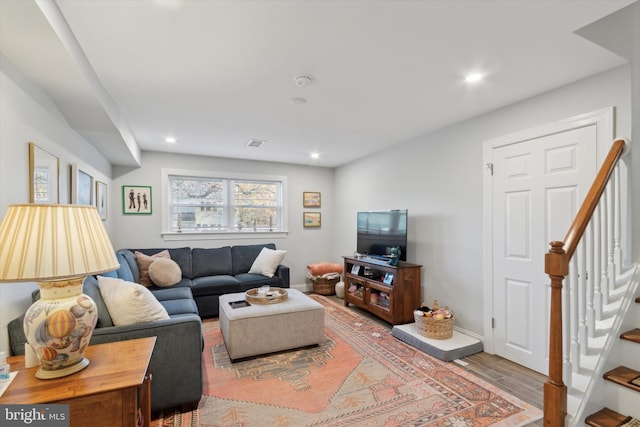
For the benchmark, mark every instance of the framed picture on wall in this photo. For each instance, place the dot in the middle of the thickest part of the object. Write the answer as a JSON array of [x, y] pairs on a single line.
[[81, 186], [312, 219], [136, 200], [311, 199], [44, 176], [101, 199]]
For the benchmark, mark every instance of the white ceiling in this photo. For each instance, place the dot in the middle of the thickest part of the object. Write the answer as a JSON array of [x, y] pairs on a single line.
[[215, 74]]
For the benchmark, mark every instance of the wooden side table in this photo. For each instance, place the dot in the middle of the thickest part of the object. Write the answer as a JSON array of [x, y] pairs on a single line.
[[111, 391]]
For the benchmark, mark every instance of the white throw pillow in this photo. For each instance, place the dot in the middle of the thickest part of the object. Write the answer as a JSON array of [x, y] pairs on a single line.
[[267, 262], [165, 272], [130, 303]]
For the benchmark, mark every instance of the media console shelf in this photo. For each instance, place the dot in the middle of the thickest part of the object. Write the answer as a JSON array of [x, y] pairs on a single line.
[[390, 292]]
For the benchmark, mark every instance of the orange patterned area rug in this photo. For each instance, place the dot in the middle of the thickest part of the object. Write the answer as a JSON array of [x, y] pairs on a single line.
[[175, 418], [361, 375]]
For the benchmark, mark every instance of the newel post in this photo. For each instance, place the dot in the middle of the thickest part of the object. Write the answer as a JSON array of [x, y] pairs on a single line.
[[555, 392]]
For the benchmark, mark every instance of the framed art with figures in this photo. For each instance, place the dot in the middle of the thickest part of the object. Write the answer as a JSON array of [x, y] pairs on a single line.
[[136, 200]]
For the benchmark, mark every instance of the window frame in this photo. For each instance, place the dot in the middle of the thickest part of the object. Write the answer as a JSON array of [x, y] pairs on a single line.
[[167, 234]]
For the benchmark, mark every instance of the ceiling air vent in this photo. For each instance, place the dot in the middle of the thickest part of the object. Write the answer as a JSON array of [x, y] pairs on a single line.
[[256, 143]]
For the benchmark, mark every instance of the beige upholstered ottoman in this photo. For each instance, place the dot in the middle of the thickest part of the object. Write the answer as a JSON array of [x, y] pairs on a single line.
[[266, 328]]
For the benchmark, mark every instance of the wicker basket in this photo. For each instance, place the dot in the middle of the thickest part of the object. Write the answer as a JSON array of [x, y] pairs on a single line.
[[324, 286], [434, 329]]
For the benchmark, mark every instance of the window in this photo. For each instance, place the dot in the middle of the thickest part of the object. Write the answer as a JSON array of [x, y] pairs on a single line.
[[209, 202]]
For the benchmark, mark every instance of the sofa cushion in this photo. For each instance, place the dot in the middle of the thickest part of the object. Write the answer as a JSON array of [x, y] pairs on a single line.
[[129, 302], [113, 274], [172, 293], [90, 288], [176, 307], [214, 285], [177, 301], [165, 272], [184, 282], [211, 262], [144, 261], [183, 257], [130, 260], [267, 262], [124, 272], [249, 281], [243, 257], [180, 255]]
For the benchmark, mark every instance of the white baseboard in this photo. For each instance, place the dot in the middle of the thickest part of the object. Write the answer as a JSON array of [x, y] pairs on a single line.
[[302, 287]]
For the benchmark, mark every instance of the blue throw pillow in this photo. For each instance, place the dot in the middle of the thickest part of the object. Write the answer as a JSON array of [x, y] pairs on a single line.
[[124, 272], [113, 274]]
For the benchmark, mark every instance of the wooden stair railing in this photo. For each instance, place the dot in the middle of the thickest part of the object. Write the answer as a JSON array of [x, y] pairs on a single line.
[[557, 267]]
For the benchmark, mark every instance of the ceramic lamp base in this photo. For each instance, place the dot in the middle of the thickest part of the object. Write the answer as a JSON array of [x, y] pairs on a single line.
[[47, 374], [59, 327]]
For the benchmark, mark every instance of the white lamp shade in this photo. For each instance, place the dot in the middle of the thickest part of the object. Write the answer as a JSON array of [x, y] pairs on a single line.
[[53, 242]]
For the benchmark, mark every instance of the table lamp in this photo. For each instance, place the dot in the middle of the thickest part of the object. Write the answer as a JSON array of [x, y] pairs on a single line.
[[57, 246]]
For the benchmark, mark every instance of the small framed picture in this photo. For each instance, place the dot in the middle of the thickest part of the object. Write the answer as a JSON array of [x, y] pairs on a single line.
[[136, 200], [355, 269], [44, 176], [81, 186], [311, 199], [312, 219], [101, 199], [388, 278]]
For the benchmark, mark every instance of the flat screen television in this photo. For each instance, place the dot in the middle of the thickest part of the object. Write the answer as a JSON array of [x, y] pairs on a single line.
[[379, 231]]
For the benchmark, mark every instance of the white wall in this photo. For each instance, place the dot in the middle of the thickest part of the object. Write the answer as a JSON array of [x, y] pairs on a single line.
[[27, 115], [303, 246], [635, 153], [438, 177]]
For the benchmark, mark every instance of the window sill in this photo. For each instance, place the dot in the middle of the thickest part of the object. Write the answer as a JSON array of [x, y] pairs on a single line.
[[223, 235]]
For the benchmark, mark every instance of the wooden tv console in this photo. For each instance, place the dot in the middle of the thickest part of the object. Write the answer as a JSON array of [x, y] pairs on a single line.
[[393, 299]]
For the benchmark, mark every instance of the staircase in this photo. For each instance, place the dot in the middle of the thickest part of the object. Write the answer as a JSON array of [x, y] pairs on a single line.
[[617, 402], [594, 326]]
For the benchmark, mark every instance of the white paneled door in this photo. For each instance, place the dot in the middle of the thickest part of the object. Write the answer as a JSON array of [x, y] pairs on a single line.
[[538, 186]]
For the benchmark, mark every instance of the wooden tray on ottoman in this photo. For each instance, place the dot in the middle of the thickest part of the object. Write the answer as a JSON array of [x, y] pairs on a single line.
[[274, 296]]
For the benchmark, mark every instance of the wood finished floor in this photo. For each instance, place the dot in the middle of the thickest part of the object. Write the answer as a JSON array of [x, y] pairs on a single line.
[[515, 379]]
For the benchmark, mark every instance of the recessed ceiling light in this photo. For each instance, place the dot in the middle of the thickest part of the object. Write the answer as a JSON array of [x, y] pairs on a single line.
[[298, 101], [315, 155], [474, 77], [256, 143], [170, 140], [303, 80]]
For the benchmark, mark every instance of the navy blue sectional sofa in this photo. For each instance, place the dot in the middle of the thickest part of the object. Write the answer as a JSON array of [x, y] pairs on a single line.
[[210, 273], [176, 362]]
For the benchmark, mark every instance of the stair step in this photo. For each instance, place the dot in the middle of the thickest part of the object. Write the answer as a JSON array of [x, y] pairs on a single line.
[[632, 335], [623, 376], [606, 417]]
